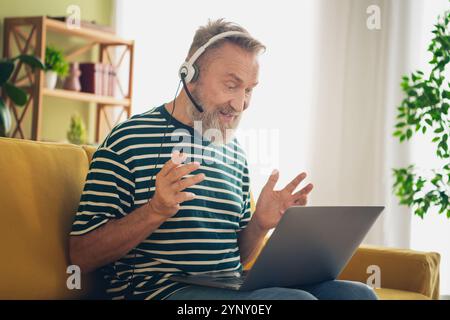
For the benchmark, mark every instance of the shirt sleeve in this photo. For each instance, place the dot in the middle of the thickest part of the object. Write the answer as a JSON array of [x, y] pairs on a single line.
[[246, 213], [108, 192]]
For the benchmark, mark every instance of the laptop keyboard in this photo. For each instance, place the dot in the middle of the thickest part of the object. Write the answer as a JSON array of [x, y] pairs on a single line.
[[230, 280]]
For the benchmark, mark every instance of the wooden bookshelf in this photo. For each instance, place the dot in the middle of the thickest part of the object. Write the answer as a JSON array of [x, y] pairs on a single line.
[[86, 97], [28, 35], [90, 34]]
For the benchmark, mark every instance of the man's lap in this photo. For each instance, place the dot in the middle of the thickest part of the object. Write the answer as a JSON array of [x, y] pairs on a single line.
[[328, 290]]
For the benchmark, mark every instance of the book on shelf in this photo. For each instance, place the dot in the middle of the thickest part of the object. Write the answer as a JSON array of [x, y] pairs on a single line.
[[98, 78]]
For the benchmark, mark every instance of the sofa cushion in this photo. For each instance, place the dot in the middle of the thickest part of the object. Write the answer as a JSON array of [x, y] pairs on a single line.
[[393, 294], [41, 188]]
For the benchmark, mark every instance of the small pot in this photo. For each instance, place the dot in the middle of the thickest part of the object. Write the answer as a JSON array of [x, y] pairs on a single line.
[[51, 77]]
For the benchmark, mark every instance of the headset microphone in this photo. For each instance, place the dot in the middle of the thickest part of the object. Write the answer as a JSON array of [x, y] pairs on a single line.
[[196, 105]]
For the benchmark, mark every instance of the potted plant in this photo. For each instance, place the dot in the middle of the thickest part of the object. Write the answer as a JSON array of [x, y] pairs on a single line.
[[17, 95], [55, 65], [77, 131], [426, 106]]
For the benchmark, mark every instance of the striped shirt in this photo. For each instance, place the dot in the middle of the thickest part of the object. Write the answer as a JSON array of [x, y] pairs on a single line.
[[200, 238]]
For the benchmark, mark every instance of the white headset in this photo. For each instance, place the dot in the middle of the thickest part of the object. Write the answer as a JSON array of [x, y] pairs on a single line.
[[188, 70]]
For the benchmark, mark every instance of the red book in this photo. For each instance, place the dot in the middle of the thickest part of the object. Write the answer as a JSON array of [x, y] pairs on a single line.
[[89, 78]]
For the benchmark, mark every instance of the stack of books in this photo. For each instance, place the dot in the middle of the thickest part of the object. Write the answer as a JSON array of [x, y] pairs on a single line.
[[98, 78]]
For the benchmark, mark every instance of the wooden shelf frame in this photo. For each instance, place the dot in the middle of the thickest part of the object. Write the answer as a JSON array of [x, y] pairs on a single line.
[[86, 97], [33, 42]]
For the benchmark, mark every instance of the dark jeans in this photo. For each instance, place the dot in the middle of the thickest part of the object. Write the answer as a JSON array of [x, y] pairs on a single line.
[[328, 290]]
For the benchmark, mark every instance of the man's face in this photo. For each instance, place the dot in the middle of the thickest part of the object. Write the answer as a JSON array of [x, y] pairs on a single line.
[[224, 89]]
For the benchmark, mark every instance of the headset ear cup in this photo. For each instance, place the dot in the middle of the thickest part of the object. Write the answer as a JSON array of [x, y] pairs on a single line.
[[196, 73], [183, 71], [186, 71]]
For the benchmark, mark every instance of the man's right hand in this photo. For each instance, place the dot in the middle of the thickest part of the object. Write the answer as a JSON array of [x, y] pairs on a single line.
[[170, 185]]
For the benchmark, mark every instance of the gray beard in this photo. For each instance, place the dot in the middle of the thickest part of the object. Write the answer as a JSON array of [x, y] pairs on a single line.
[[210, 120]]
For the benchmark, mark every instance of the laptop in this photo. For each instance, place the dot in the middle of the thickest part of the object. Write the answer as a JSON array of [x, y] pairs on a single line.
[[309, 245]]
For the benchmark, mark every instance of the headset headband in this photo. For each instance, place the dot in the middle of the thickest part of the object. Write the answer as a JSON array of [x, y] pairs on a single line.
[[187, 70], [217, 37]]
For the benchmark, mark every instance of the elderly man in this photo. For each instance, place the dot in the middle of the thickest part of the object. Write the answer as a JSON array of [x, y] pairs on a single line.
[[147, 212]]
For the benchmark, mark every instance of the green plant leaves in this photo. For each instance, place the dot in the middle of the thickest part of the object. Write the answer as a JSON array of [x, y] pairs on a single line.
[[32, 61], [426, 105], [409, 188], [445, 94], [7, 66], [6, 69], [17, 95], [445, 106], [77, 132], [54, 60]]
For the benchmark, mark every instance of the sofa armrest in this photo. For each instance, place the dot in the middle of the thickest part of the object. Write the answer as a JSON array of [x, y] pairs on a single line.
[[400, 269]]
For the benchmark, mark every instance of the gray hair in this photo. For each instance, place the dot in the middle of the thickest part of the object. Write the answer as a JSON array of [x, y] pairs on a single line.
[[212, 28]]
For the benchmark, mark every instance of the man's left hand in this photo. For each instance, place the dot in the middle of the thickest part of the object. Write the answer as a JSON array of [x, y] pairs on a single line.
[[272, 204]]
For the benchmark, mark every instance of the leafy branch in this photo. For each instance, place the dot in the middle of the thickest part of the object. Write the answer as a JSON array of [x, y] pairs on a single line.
[[426, 107]]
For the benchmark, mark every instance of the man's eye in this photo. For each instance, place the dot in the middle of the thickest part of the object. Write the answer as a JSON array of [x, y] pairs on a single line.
[[248, 91], [230, 85]]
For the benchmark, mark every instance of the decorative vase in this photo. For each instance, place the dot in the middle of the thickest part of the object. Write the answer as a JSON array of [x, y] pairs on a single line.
[[51, 77], [72, 82]]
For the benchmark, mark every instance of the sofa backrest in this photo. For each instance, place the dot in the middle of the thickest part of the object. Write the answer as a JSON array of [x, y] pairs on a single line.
[[41, 185]]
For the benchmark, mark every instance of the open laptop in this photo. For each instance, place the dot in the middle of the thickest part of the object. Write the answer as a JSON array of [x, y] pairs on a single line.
[[309, 245]]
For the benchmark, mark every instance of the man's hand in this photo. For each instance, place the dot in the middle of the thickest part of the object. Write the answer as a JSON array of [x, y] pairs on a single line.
[[272, 204], [170, 185]]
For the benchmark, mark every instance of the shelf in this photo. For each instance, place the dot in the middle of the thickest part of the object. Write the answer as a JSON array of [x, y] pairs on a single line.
[[87, 33], [86, 97], [30, 35]]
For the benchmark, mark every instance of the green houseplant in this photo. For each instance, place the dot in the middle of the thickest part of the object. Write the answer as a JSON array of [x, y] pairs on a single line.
[[55, 65], [77, 131], [8, 89], [426, 107]]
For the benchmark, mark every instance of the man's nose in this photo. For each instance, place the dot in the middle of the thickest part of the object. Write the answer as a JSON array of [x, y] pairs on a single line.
[[239, 103]]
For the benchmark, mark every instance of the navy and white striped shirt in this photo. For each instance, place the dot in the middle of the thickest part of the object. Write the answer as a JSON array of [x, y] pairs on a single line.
[[200, 238]]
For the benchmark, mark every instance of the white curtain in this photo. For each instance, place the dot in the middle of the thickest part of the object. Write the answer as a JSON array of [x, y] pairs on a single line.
[[357, 91]]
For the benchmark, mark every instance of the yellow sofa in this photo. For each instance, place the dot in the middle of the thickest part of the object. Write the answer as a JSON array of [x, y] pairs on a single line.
[[41, 184]]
